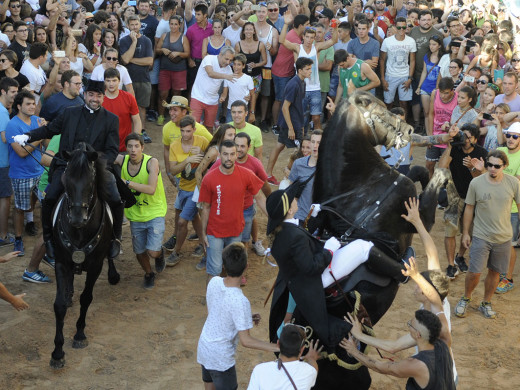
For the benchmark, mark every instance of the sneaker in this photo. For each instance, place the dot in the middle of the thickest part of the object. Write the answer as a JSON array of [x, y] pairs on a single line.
[[49, 261], [18, 247], [31, 229], [461, 264], [150, 116], [149, 281], [275, 130], [264, 126], [36, 277], [160, 264], [486, 309], [201, 265], [460, 309], [160, 120], [146, 137], [199, 251], [259, 248], [452, 271], [170, 244], [193, 237], [173, 259], [7, 240], [272, 180], [408, 253], [504, 286]]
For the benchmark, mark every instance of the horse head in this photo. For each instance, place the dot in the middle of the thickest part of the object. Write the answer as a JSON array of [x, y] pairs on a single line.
[[79, 181], [384, 127]]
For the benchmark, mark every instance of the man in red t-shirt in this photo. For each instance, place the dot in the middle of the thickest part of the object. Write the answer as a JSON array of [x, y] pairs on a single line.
[[243, 142], [122, 104], [283, 66], [222, 195]]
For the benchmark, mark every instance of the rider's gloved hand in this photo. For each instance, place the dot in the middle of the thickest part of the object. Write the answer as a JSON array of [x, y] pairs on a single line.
[[21, 139], [332, 244]]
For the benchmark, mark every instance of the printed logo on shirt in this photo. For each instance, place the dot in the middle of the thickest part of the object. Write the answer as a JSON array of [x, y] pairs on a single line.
[[219, 194]]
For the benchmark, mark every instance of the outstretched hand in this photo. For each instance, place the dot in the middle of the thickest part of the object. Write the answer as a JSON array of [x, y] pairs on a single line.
[[412, 209], [478, 163], [410, 270], [349, 345], [357, 329], [8, 256], [314, 351]]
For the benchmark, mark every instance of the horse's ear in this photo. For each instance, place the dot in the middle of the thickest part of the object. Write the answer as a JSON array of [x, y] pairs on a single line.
[[92, 156], [66, 155]]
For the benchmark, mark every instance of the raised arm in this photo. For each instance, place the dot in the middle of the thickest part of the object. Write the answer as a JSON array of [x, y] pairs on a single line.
[[288, 19]]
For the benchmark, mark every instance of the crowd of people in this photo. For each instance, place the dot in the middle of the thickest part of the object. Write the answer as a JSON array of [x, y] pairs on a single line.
[[218, 77]]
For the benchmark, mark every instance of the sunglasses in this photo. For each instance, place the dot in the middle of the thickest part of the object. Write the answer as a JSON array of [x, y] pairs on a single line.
[[515, 60], [409, 323], [410, 26], [410, 3], [369, 11], [3, 60], [494, 87], [481, 82], [496, 166], [16, 6], [272, 9], [514, 136], [401, 27], [89, 20], [112, 58]]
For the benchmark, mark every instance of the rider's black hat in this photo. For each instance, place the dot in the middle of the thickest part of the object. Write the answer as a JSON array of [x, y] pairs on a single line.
[[278, 204], [95, 86]]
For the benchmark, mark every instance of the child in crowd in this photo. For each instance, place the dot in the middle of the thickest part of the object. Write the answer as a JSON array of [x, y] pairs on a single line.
[[303, 151]]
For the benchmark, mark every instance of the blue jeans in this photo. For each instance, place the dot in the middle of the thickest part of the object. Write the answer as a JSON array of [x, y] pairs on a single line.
[[249, 214], [214, 257]]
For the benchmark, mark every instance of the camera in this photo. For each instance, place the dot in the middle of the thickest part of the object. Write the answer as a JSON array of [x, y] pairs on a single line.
[[459, 139]]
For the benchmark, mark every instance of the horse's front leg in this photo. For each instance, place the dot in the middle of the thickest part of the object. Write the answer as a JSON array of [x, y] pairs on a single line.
[[113, 275], [80, 340], [63, 273]]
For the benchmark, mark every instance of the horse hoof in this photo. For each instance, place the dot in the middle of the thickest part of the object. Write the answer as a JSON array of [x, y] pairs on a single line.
[[57, 363], [114, 279], [78, 344]]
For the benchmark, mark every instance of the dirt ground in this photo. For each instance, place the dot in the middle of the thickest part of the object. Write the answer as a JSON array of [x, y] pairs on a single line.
[[148, 339]]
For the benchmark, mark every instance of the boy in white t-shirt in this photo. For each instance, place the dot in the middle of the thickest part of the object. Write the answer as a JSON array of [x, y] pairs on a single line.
[[229, 320], [241, 88]]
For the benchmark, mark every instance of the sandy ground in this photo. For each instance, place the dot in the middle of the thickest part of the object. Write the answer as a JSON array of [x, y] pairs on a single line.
[[148, 339]]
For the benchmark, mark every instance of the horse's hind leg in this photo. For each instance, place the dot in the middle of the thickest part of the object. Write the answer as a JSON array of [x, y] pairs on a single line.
[[60, 309], [113, 275], [80, 340]]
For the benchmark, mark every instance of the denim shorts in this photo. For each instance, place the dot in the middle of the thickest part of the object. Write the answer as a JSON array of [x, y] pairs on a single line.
[[483, 253], [23, 189], [279, 87], [312, 103], [334, 82], [147, 235], [214, 256], [396, 84], [223, 380], [249, 215], [434, 153], [186, 204]]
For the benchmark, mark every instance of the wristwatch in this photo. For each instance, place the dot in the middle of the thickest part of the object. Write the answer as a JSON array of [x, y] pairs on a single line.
[[128, 183]]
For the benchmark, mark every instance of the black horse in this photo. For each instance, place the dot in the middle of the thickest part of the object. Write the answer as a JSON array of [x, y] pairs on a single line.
[[82, 235], [361, 196]]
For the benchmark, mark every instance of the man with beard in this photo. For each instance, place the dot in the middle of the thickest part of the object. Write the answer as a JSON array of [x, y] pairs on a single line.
[[92, 124], [488, 206], [68, 97], [222, 190]]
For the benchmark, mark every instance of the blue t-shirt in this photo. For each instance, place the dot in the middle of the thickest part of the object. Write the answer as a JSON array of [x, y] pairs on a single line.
[[4, 119], [294, 93], [364, 51], [430, 82], [302, 171], [54, 105], [23, 167]]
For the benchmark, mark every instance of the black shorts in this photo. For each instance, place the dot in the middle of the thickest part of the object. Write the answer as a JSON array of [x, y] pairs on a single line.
[[283, 137]]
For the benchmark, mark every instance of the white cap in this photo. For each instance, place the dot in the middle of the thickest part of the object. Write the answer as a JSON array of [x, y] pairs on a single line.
[[514, 128]]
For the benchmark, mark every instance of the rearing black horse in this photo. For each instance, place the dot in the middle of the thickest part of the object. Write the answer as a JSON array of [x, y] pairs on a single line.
[[365, 197], [82, 232]]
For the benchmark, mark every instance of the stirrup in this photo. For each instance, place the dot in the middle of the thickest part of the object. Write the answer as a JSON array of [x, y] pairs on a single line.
[[115, 248]]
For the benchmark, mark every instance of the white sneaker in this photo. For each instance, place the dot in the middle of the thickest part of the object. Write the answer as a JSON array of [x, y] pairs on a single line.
[[259, 248]]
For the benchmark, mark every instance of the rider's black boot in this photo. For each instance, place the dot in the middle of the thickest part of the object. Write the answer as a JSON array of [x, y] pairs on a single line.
[[47, 228], [381, 263], [115, 245]]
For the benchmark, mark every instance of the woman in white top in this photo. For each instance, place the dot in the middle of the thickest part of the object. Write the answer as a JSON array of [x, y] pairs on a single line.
[[452, 53], [78, 60]]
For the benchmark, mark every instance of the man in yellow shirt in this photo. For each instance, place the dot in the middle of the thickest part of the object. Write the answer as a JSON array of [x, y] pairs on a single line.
[[185, 155], [178, 109]]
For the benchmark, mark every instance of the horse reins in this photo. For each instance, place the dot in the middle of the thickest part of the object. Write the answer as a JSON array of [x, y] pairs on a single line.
[[42, 152]]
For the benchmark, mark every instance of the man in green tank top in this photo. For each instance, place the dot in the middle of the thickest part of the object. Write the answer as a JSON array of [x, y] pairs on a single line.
[[142, 175], [354, 75]]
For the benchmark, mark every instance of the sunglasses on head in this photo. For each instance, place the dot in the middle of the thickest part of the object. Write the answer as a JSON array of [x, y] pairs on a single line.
[[514, 136], [496, 166], [494, 87]]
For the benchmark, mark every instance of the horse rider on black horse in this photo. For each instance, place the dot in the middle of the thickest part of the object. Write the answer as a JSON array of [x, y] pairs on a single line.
[[94, 125]]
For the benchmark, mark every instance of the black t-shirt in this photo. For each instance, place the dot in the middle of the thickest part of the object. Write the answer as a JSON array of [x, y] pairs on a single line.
[[21, 52], [22, 80], [148, 28], [461, 175]]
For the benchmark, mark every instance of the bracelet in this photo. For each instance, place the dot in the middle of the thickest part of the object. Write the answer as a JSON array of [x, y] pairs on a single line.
[[252, 112]]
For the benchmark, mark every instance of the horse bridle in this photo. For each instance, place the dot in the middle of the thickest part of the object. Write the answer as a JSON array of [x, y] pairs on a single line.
[[83, 205]]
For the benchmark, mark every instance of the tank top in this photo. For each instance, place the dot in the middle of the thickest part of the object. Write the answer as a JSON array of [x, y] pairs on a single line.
[[165, 63], [354, 74], [268, 38], [432, 71], [147, 207], [255, 57], [212, 50], [485, 69], [313, 82], [441, 372], [442, 113]]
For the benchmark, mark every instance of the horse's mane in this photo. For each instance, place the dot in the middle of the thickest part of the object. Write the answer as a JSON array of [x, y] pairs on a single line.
[[79, 163]]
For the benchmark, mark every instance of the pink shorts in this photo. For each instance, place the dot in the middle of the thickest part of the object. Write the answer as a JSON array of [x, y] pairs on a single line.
[[210, 112], [169, 79]]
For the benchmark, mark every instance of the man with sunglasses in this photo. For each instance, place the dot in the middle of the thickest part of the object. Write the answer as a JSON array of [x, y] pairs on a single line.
[[488, 207], [14, 8], [384, 14], [110, 60], [273, 15]]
